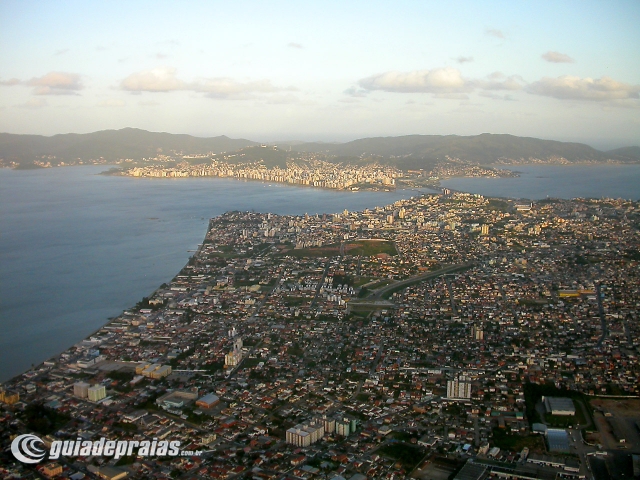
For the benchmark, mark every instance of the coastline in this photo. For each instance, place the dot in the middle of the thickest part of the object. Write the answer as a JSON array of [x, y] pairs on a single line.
[[155, 287], [537, 182], [107, 323], [96, 262], [386, 188], [245, 308]]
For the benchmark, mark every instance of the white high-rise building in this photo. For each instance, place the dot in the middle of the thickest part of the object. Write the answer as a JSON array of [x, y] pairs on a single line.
[[81, 389], [477, 333], [234, 357], [343, 427], [460, 388], [305, 434], [329, 424], [96, 393]]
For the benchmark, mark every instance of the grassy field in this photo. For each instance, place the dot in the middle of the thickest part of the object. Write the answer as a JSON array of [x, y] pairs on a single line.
[[369, 248], [292, 301], [314, 252], [515, 443], [408, 455], [562, 421], [383, 282], [365, 248], [359, 281], [251, 362]]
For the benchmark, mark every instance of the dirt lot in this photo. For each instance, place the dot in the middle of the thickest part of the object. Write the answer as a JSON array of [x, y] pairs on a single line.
[[618, 407], [435, 470], [616, 419]]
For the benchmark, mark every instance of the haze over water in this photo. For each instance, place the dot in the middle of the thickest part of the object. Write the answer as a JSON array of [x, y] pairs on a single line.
[[77, 247]]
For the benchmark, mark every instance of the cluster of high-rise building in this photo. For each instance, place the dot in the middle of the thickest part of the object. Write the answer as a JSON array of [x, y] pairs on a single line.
[[459, 388], [153, 370], [93, 393], [307, 433], [313, 173]]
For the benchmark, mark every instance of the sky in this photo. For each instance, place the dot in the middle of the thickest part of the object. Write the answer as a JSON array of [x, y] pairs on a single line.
[[323, 71]]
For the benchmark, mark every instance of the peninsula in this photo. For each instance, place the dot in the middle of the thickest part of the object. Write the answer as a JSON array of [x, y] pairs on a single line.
[[384, 342]]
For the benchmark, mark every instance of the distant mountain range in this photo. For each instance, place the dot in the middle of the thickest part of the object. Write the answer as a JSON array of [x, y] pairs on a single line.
[[110, 145], [482, 149], [406, 152]]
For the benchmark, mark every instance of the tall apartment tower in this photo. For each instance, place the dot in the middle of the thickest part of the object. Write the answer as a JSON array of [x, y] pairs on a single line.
[[234, 357], [96, 393], [81, 389], [460, 388], [477, 333]]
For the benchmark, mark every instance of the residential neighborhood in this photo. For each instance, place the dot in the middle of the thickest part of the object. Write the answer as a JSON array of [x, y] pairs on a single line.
[[447, 335]]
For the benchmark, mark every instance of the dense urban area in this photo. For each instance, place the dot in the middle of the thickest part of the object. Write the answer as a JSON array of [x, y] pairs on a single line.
[[320, 170], [445, 336], [310, 169]]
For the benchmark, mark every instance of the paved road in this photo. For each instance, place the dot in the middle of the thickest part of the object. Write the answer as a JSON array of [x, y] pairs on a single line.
[[319, 287], [381, 292], [454, 310], [603, 319], [374, 365]]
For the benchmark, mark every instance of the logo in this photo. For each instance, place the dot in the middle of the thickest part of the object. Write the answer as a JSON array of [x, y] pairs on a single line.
[[27, 449]]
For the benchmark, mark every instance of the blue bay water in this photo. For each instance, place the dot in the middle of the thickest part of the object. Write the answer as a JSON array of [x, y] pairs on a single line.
[[560, 181], [77, 248]]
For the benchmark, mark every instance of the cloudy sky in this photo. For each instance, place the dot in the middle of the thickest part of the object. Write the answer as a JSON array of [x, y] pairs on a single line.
[[330, 71]]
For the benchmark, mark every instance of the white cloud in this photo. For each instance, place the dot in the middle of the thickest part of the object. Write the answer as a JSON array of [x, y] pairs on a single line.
[[575, 88], [439, 80], [229, 88], [56, 83], [446, 83], [557, 57], [294, 45], [164, 79], [157, 80], [355, 92], [499, 81], [493, 32]]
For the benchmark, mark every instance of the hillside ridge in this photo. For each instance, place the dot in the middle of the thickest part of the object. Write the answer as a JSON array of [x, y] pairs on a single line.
[[408, 151]]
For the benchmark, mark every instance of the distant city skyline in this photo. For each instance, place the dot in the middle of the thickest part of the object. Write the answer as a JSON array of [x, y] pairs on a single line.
[[325, 71]]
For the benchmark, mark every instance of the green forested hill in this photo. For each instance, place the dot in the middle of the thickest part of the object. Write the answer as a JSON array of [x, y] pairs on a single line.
[[406, 152]]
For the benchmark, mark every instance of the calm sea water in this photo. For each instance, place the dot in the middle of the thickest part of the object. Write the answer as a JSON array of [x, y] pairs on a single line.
[[560, 181], [77, 248]]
